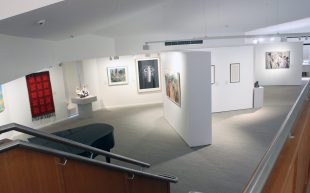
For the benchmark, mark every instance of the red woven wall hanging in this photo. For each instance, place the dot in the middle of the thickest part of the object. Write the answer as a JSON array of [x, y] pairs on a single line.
[[40, 95]]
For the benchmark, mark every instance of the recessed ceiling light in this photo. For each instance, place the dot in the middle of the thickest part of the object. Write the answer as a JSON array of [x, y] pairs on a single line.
[[41, 22]]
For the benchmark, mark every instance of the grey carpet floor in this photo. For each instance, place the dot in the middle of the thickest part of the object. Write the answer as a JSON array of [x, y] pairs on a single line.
[[240, 138]]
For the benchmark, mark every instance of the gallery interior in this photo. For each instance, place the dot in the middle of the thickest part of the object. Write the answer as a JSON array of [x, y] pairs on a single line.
[[155, 96]]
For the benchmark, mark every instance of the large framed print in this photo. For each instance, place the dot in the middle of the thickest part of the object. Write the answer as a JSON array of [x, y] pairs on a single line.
[[117, 75], [173, 89], [277, 60], [234, 72], [212, 74], [148, 74]]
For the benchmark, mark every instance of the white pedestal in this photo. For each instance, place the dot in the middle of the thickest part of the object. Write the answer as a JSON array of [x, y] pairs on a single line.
[[258, 97], [85, 108]]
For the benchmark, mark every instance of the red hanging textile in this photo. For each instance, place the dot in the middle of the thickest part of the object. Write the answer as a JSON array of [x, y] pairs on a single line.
[[40, 95]]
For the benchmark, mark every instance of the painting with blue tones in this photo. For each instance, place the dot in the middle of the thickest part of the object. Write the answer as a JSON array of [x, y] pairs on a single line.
[[1, 100]]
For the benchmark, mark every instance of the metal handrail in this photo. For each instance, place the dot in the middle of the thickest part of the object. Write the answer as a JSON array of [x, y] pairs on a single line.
[[263, 170], [41, 134], [66, 155]]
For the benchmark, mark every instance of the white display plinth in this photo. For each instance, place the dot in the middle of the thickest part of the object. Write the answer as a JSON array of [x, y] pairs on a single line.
[[258, 97], [85, 108]]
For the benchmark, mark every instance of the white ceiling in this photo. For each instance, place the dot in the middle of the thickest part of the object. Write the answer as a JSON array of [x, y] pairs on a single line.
[[118, 18], [11, 8]]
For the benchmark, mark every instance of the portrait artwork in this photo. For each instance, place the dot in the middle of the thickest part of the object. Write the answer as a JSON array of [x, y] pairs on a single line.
[[148, 72]]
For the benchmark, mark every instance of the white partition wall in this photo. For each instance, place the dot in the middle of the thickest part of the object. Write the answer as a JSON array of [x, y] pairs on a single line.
[[227, 95], [191, 119], [280, 76]]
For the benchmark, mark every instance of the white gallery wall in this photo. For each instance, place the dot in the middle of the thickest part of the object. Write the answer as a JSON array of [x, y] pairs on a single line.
[[94, 74], [227, 96], [282, 76], [306, 52], [16, 101], [192, 120], [124, 95]]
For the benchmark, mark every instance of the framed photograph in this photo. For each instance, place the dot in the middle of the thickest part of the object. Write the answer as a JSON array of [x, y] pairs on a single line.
[[277, 60], [148, 74], [234, 72], [117, 75], [173, 89], [212, 74]]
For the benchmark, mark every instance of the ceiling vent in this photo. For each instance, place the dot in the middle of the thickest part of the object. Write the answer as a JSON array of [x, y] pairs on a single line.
[[186, 42]]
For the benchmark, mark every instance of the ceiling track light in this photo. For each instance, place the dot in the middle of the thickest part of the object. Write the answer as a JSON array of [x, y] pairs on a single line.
[[283, 37]]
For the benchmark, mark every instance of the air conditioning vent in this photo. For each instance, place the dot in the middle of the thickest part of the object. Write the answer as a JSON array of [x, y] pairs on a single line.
[[175, 43]]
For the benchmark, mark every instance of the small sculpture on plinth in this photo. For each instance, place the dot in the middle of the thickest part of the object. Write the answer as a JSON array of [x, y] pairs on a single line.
[[256, 84], [82, 92]]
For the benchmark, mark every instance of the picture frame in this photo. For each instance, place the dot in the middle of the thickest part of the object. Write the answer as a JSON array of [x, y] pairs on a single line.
[[148, 75], [173, 87], [1, 100], [277, 60], [212, 74], [234, 72], [117, 75]]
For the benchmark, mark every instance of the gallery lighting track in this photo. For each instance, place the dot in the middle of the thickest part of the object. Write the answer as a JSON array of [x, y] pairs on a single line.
[[283, 36]]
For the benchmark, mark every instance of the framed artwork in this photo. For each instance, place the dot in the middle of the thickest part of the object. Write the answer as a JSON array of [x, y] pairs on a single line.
[[117, 75], [148, 74], [173, 89], [234, 72], [1, 100], [277, 60], [212, 74], [40, 95]]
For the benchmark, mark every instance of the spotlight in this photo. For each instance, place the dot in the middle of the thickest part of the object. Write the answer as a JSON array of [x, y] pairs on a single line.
[[255, 41], [272, 39]]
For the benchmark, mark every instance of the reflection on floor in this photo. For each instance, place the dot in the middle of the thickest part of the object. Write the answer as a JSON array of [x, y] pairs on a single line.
[[240, 138]]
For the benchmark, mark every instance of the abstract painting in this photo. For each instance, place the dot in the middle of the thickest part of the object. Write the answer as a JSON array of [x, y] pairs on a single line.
[[148, 74], [40, 95], [277, 60], [1, 100], [117, 75], [173, 89], [234, 72]]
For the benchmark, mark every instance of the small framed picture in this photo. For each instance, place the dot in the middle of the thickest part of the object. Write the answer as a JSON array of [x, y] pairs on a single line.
[[173, 88], [117, 75], [234, 72], [148, 75], [212, 74]]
